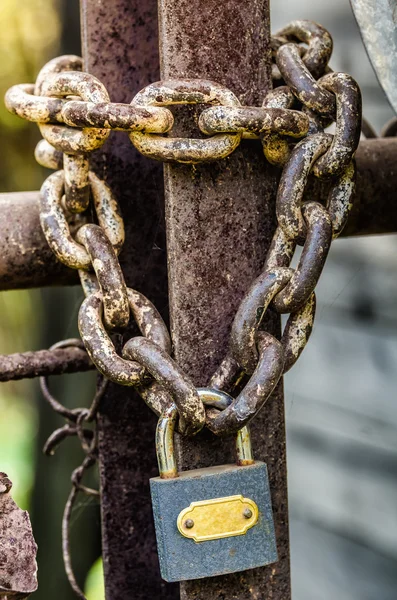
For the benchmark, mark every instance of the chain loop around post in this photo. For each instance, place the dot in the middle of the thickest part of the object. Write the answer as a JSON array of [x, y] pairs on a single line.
[[308, 98], [117, 117], [83, 226], [253, 119]]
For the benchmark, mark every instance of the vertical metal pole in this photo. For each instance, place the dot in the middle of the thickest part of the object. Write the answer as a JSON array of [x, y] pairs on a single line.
[[220, 219], [120, 47]]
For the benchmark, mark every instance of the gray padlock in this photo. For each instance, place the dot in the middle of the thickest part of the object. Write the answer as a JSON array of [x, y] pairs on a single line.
[[211, 521]]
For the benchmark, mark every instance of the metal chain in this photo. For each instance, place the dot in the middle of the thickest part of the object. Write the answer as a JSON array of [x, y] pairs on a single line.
[[75, 117]]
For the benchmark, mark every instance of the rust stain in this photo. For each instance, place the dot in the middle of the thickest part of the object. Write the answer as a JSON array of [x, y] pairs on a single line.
[[18, 567]]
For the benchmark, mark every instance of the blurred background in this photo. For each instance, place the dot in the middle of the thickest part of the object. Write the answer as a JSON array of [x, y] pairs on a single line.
[[340, 398]]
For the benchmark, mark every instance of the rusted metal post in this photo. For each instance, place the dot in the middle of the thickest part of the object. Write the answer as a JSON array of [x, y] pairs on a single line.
[[120, 47], [220, 219]]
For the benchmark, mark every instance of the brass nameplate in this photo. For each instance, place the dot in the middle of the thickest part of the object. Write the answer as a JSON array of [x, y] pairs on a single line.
[[217, 518]]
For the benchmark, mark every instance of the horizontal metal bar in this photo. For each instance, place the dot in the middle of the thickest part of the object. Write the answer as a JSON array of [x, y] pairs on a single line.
[[374, 207], [43, 362], [26, 261]]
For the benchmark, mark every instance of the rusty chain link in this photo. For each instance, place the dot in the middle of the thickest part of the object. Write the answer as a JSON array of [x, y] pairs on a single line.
[[75, 117]]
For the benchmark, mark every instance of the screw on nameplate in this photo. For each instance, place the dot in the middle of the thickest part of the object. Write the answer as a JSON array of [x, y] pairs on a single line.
[[218, 518], [18, 567]]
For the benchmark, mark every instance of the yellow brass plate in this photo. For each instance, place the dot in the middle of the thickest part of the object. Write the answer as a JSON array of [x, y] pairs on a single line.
[[218, 518]]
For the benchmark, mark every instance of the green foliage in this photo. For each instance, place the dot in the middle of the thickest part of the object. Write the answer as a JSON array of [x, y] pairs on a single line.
[[30, 32], [19, 324], [18, 427], [94, 587]]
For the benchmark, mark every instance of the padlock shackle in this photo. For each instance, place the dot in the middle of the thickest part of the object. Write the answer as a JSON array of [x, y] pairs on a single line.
[[221, 400], [166, 429], [165, 443], [244, 447]]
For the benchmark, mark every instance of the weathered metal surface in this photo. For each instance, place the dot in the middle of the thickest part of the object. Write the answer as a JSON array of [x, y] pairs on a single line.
[[116, 311], [55, 225], [47, 156], [120, 47], [348, 124], [18, 567], [293, 184], [219, 224], [340, 199], [254, 119], [26, 260], [20, 100], [312, 260], [374, 208], [297, 332], [152, 351], [337, 193], [304, 86], [71, 140], [51, 82], [318, 40], [171, 377], [43, 362], [246, 322], [123, 117], [170, 416], [377, 20], [58, 227], [275, 148], [101, 347], [182, 558]]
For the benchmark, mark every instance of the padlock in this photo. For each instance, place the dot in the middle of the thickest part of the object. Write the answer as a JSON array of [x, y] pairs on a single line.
[[215, 520]]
